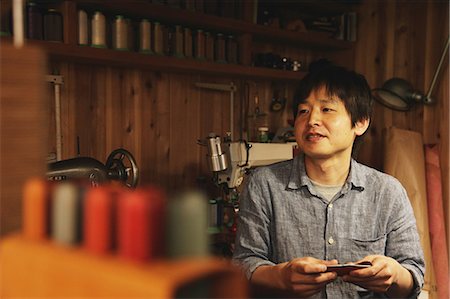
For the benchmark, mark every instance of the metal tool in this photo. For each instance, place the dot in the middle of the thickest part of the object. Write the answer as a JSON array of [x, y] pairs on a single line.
[[120, 166]]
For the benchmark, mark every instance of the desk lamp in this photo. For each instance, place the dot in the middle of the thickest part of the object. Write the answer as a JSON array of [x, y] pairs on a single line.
[[398, 94]]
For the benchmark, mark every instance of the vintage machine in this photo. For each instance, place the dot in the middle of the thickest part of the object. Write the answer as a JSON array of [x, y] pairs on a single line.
[[230, 162], [120, 166]]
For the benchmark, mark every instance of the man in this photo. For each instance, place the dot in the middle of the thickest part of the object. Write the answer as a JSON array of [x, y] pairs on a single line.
[[324, 208]]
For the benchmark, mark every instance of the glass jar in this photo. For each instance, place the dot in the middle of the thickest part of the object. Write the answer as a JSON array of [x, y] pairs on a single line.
[[263, 134]]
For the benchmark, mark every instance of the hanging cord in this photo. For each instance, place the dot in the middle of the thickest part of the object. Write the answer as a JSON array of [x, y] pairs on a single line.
[[248, 146]]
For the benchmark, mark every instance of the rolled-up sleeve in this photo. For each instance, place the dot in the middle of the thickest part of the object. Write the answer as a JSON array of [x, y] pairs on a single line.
[[253, 235], [403, 243]]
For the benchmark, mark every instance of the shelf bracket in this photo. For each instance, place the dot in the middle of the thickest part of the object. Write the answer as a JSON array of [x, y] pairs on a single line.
[[57, 81]]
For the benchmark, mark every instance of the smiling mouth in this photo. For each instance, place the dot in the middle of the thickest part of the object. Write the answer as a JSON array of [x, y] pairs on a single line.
[[314, 137]]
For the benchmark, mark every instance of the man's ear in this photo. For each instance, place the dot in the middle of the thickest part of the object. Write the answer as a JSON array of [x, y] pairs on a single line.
[[361, 126]]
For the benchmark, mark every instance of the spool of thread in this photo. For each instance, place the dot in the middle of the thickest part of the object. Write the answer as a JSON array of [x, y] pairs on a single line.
[[36, 209], [220, 48], [187, 225], [213, 214], [200, 44], [145, 30], [157, 207], [99, 218], [158, 46], [53, 26], [177, 41], [140, 224], [82, 28], [232, 49], [65, 213], [168, 35], [187, 42], [34, 21], [120, 32], [98, 30], [209, 46], [130, 34]]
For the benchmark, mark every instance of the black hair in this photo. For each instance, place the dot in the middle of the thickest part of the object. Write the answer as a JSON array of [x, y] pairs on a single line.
[[349, 86]]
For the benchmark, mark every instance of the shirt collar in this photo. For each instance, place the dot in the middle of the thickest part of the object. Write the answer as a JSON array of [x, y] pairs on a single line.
[[298, 177]]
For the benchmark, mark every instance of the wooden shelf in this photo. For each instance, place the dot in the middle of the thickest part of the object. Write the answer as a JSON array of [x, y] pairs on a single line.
[[310, 40], [43, 269], [319, 7], [246, 31], [225, 25], [84, 54]]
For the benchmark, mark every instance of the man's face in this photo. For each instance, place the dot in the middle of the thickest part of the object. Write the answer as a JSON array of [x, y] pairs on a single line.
[[323, 127]]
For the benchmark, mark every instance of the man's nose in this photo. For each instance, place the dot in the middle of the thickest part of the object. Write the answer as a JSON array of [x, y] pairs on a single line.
[[315, 117]]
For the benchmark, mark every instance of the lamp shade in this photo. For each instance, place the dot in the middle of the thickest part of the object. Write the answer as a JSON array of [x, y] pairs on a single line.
[[397, 94]]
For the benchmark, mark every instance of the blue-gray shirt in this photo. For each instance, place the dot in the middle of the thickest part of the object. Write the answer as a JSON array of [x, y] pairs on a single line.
[[282, 217]]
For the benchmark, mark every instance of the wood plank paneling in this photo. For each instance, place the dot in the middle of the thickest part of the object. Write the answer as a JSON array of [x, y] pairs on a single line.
[[159, 115], [409, 40]]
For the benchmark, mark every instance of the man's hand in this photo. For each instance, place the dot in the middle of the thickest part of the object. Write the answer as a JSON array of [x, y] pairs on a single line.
[[306, 276], [385, 276], [303, 276]]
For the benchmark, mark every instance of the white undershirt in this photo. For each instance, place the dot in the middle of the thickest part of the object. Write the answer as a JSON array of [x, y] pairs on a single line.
[[327, 191]]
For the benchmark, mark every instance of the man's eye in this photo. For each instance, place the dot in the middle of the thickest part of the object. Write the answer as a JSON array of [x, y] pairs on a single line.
[[302, 111], [326, 109]]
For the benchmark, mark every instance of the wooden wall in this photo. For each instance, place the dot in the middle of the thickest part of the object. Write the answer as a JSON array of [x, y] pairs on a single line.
[[405, 39], [159, 116]]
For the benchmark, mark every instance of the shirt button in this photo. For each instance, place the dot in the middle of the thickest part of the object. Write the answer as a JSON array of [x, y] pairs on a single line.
[[331, 241], [330, 206]]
